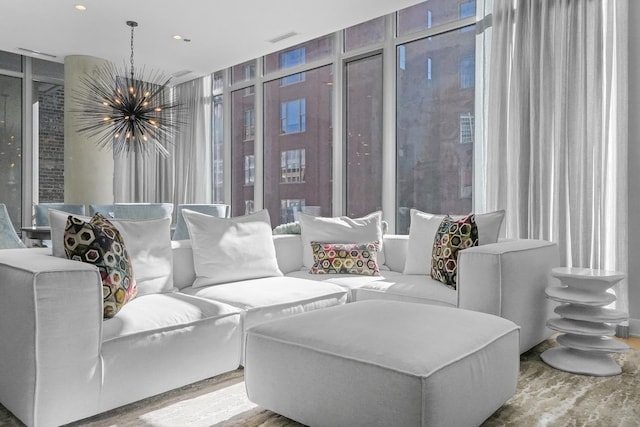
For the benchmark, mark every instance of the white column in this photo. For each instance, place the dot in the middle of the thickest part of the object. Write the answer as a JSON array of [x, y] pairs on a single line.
[[88, 171]]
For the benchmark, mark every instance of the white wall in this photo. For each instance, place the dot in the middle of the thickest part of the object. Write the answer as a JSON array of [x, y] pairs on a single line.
[[634, 166]]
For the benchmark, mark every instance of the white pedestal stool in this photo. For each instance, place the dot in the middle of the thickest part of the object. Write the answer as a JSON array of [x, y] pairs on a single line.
[[587, 326]]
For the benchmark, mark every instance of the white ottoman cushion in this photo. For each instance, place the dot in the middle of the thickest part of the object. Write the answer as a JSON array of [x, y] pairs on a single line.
[[383, 363]]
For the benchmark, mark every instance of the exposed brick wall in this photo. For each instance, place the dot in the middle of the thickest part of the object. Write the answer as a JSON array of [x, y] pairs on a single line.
[[51, 158]]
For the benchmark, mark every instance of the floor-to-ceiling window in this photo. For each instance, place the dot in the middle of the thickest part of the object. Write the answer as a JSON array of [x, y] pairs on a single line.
[[379, 116], [11, 146], [37, 129], [435, 102], [48, 129], [298, 144], [243, 113], [363, 139]]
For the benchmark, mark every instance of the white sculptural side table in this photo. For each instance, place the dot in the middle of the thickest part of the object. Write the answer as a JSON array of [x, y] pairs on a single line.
[[587, 326]]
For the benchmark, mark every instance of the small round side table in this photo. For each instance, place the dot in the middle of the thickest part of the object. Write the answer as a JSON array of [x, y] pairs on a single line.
[[587, 326]]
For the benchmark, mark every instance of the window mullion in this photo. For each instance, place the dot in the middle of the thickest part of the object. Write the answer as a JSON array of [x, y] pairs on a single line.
[[389, 187], [258, 150]]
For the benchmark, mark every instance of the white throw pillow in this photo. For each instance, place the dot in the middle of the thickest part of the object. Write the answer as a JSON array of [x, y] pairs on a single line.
[[423, 230], [148, 242], [340, 230], [231, 249]]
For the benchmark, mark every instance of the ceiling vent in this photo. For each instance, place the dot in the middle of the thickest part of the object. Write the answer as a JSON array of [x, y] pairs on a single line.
[[36, 52], [179, 74], [282, 37]]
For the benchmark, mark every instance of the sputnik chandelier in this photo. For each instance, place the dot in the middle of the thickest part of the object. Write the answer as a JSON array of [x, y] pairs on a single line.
[[127, 111]]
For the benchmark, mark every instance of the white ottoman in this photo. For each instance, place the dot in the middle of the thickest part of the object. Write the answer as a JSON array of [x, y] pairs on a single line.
[[383, 363]]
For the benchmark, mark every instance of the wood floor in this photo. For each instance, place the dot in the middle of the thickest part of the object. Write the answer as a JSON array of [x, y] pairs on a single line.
[[633, 342]]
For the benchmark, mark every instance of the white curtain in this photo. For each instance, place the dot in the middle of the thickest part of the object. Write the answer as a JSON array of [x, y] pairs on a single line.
[[185, 176], [144, 177], [556, 147], [192, 152]]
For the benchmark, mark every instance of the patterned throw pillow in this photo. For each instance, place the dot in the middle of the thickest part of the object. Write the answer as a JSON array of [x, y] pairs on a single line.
[[452, 236], [345, 258], [99, 242]]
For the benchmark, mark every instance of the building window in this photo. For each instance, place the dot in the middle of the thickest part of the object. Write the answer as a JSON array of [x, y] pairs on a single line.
[[291, 59], [249, 70], [292, 165], [248, 91], [467, 125], [249, 125], [249, 169], [289, 208], [242, 72], [402, 57], [467, 9], [293, 116], [249, 207], [467, 71]]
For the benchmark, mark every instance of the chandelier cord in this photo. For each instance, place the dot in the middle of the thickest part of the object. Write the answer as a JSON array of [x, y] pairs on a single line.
[[132, 27]]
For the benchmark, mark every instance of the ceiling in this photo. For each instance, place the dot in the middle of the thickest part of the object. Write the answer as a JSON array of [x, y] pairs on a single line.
[[222, 33]]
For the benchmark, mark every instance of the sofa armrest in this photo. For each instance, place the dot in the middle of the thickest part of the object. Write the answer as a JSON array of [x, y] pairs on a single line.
[[288, 252], [50, 334], [508, 279]]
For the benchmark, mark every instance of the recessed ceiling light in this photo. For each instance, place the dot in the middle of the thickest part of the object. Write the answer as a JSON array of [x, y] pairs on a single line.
[[177, 37], [80, 7]]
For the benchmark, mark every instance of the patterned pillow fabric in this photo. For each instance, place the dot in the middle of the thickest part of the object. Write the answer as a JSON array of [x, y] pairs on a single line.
[[345, 258], [452, 236], [99, 242]]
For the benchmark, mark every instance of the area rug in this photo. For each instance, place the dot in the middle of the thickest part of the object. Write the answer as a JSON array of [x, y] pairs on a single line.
[[545, 397]]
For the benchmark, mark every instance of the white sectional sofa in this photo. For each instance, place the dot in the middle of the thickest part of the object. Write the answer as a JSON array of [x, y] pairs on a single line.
[[60, 361]]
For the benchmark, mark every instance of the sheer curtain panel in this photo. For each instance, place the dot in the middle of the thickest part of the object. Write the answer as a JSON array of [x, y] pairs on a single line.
[[192, 152], [556, 151]]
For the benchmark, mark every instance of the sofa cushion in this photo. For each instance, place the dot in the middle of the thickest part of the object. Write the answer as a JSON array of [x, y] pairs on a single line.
[[346, 281], [231, 249], [156, 313], [272, 297], [98, 242], [423, 231], [345, 258], [148, 242], [452, 237], [409, 288], [339, 230], [165, 341]]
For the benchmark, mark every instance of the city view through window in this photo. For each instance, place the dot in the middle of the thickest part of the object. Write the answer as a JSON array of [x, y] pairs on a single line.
[[435, 115]]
